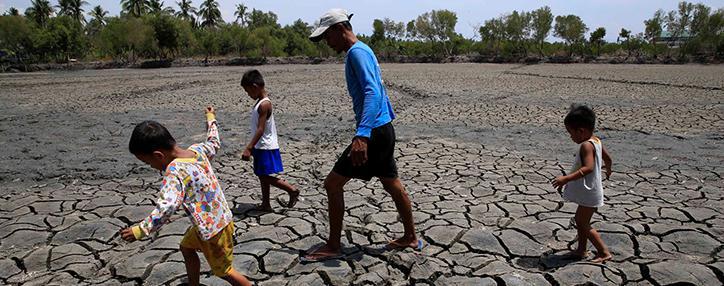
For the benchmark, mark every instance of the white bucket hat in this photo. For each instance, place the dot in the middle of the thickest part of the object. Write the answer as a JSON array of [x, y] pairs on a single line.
[[331, 17]]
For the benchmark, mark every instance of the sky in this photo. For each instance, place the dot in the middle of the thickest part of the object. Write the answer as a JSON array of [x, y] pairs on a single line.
[[610, 14]]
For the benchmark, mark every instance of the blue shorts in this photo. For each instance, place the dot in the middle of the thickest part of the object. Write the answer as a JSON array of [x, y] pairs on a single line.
[[267, 162]]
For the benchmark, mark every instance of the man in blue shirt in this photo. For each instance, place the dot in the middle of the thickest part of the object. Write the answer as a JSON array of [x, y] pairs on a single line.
[[371, 153]]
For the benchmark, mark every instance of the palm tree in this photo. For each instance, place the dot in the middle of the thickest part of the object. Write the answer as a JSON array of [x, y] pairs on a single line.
[[210, 14], [72, 8], [241, 13], [135, 8], [40, 11], [156, 7], [98, 15], [186, 11]]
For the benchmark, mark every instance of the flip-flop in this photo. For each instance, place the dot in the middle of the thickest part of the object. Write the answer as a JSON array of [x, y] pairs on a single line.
[[293, 199], [420, 245]]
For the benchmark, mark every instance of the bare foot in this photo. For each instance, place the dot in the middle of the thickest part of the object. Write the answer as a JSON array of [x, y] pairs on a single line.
[[293, 198], [321, 254], [602, 258], [405, 242]]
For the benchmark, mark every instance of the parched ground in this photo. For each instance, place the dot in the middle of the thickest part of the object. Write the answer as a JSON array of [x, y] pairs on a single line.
[[477, 147]]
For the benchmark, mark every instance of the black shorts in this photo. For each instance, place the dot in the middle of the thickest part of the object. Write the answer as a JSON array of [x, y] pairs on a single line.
[[380, 157]]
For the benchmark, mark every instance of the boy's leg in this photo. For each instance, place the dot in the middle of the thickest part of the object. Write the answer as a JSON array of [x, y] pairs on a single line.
[[236, 279], [394, 187], [279, 183], [602, 253], [285, 186], [334, 184], [265, 203], [193, 265]]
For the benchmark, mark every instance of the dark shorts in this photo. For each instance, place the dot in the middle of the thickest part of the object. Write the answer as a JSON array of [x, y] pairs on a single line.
[[380, 157]]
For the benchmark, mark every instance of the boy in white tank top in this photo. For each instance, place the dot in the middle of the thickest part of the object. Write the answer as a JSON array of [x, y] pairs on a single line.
[[264, 144], [583, 184]]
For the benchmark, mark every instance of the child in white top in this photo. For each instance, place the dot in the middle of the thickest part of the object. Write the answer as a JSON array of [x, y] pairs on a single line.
[[264, 144], [583, 185]]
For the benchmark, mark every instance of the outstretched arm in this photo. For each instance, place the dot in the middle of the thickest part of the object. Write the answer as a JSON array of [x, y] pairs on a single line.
[[213, 142], [172, 194]]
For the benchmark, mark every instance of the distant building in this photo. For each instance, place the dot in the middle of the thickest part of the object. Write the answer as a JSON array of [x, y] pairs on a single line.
[[668, 39]]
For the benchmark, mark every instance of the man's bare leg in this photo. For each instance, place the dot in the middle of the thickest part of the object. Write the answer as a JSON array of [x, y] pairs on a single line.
[[334, 184], [394, 187]]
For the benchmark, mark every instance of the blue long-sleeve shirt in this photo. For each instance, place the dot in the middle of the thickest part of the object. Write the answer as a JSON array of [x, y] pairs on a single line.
[[370, 102]]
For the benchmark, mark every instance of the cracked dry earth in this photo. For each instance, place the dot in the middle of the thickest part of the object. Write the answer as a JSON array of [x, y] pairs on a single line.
[[477, 145]]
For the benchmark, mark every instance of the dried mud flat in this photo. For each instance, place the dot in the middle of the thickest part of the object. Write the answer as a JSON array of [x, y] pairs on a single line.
[[477, 145]]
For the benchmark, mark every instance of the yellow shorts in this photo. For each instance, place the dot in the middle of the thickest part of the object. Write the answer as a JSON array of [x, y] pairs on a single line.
[[218, 250]]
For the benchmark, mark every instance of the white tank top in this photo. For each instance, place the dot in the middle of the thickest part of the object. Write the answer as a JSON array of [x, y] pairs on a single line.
[[587, 191], [268, 140]]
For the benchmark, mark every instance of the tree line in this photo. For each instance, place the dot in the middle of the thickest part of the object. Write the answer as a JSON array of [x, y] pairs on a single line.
[[148, 29]]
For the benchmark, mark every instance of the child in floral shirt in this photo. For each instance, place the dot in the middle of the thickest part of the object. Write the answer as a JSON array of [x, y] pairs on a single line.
[[188, 182]]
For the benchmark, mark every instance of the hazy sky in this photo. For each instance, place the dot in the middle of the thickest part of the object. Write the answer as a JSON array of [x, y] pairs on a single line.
[[610, 14]]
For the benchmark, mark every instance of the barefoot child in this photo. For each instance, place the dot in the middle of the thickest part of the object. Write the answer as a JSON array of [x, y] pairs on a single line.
[[583, 185], [264, 145], [188, 182]]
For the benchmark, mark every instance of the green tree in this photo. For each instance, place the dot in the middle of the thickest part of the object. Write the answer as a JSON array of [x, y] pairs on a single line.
[[492, 33], [654, 26], [12, 12], [378, 33], [437, 27], [186, 11], [265, 44], [258, 18], [208, 42], [99, 15], [97, 22], [127, 38], [297, 43], [516, 27], [166, 34], [240, 14], [678, 22], [597, 39], [624, 37], [571, 29], [72, 8], [15, 36], [210, 14], [410, 31], [67, 37], [135, 8], [157, 7], [40, 11], [541, 21]]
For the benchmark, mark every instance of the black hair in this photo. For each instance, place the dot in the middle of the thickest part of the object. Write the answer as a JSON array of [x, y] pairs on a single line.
[[580, 116], [252, 77], [149, 136]]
